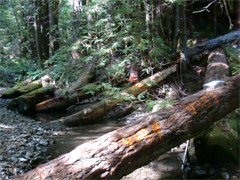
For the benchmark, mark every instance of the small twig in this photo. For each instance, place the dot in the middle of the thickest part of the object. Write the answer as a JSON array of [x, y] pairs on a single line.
[[229, 18]]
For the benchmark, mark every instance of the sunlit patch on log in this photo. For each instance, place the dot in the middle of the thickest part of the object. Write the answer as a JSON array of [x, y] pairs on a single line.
[[143, 134]]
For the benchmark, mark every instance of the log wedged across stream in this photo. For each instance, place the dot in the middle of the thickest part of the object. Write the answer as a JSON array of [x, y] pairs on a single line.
[[97, 110], [25, 103], [23, 88], [118, 153], [213, 43]]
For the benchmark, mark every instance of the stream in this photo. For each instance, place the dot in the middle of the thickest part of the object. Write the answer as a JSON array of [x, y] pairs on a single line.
[[75, 137]]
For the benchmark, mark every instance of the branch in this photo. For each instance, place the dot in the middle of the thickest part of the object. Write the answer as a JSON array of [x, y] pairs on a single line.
[[205, 8]]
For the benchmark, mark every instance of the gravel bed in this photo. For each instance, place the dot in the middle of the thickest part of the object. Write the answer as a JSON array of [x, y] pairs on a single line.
[[24, 142]]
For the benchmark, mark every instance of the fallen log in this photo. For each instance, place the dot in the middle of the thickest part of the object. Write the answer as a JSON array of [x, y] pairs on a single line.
[[69, 98], [25, 104], [11, 93], [97, 110], [213, 43], [62, 102], [26, 87], [218, 68], [118, 153]]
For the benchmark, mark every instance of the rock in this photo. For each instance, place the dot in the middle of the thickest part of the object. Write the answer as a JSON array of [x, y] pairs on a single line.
[[212, 172], [200, 172], [23, 159], [225, 175], [21, 142]]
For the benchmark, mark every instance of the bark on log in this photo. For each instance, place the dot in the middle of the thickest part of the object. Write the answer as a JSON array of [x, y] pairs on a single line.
[[213, 43], [25, 103], [72, 97], [97, 110], [26, 87], [86, 76], [62, 102], [217, 68], [118, 153], [11, 93]]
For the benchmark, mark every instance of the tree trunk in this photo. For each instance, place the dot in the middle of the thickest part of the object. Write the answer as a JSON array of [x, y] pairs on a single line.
[[72, 97], [97, 110], [37, 32], [53, 7], [25, 103], [213, 43], [217, 68], [118, 153]]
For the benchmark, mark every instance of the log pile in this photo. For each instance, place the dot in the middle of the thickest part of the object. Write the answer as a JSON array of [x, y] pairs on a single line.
[[120, 152], [29, 103]]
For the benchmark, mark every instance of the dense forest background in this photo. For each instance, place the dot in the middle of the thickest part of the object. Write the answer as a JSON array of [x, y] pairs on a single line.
[[86, 57], [58, 37]]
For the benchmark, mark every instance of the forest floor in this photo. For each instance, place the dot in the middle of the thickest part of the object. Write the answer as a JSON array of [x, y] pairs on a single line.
[[23, 141]]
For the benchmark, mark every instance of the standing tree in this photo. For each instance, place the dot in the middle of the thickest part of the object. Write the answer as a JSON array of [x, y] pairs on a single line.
[[53, 8]]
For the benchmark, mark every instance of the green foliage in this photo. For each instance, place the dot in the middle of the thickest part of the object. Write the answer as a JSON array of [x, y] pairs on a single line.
[[160, 104], [233, 54]]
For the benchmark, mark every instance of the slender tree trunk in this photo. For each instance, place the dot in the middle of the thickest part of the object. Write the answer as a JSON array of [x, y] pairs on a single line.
[[37, 33], [45, 29], [184, 39], [118, 153], [176, 28], [53, 6]]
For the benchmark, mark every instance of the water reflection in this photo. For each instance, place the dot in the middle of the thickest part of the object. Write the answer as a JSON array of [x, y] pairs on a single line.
[[67, 142]]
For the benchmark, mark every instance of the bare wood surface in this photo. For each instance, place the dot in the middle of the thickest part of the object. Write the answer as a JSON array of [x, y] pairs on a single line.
[[213, 43], [98, 109], [118, 153], [218, 68]]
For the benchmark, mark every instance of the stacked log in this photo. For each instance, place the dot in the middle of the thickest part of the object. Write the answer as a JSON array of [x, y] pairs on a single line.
[[97, 110]]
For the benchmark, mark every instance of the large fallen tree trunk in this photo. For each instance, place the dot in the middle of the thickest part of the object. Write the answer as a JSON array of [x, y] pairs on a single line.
[[97, 110], [24, 104], [69, 98], [25, 87], [213, 43], [118, 153], [62, 102], [10, 93], [218, 68]]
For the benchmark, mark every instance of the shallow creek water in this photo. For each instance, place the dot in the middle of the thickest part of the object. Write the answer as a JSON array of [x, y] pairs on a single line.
[[75, 137], [168, 164]]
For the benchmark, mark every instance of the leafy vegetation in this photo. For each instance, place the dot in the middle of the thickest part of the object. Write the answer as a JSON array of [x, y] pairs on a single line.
[[109, 33]]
